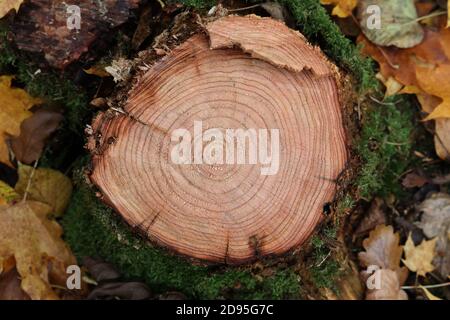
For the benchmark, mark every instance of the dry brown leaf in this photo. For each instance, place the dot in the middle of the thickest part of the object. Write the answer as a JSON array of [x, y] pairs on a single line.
[[98, 71], [374, 217], [419, 258], [414, 180], [422, 70], [8, 5], [401, 63], [47, 186], [10, 288], [435, 223], [15, 104], [35, 244], [34, 132], [390, 287], [342, 8], [442, 138], [383, 250]]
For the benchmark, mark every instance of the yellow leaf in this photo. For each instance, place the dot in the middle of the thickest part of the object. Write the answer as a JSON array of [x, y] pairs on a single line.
[[34, 242], [429, 295], [342, 8], [7, 5], [7, 194], [419, 259], [15, 104], [47, 186]]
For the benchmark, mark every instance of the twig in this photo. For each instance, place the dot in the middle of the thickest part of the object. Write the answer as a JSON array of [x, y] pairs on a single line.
[[431, 15], [383, 103], [431, 286], [30, 178], [244, 8], [323, 260]]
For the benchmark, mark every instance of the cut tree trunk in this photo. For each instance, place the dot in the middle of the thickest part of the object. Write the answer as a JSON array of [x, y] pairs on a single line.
[[246, 73]]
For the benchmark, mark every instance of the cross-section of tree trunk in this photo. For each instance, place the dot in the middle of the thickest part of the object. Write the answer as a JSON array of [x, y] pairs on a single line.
[[217, 199]]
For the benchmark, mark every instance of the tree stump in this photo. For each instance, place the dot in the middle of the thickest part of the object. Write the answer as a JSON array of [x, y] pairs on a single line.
[[175, 166]]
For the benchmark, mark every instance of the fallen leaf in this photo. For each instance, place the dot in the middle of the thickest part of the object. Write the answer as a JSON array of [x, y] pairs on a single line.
[[97, 71], [34, 132], [10, 288], [435, 223], [120, 290], [390, 287], [100, 270], [429, 295], [401, 63], [172, 295], [383, 250], [374, 217], [7, 194], [442, 138], [430, 80], [398, 23], [98, 102], [419, 258], [342, 8], [15, 104], [143, 30], [35, 243], [414, 180], [8, 5], [47, 186]]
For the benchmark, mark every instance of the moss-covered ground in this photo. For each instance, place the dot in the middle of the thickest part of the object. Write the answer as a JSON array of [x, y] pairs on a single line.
[[382, 148]]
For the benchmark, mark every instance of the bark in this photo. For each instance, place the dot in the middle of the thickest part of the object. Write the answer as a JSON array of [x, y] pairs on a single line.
[[242, 72]]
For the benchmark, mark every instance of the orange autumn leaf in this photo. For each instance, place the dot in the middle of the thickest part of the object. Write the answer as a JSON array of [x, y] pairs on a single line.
[[401, 63], [433, 80], [342, 8], [15, 104]]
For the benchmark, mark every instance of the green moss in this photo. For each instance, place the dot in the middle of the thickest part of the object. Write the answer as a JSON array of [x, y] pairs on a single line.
[[198, 4], [345, 204], [385, 147], [92, 229], [324, 269], [316, 24]]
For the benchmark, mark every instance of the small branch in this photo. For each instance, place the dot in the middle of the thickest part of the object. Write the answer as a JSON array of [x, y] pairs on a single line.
[[440, 285], [245, 8], [431, 15], [30, 178], [323, 260]]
